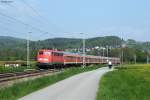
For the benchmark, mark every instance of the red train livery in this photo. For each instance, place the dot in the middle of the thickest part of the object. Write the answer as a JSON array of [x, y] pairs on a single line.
[[53, 58]]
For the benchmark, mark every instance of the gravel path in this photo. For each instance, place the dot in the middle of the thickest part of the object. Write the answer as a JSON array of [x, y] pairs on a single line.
[[79, 87]]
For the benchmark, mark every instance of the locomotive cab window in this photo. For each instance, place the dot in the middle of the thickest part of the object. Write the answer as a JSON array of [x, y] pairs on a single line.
[[47, 53], [41, 53], [44, 53]]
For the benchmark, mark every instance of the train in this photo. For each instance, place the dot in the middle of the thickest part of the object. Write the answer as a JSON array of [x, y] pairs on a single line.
[[55, 59]]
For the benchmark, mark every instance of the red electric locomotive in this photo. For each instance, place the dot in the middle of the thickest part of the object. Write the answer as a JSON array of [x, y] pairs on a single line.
[[48, 58], [53, 58]]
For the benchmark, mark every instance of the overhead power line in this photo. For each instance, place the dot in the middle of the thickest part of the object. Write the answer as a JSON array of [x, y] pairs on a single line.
[[33, 18], [35, 11], [12, 30], [44, 19], [8, 29], [15, 7], [28, 25]]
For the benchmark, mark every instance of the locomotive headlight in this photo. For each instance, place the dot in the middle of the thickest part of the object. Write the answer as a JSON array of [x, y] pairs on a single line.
[[45, 59], [40, 59]]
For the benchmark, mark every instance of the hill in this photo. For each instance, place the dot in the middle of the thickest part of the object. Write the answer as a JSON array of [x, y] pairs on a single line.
[[12, 48], [6, 41], [65, 43]]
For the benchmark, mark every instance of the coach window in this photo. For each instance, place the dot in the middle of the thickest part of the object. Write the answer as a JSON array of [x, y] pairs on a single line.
[[60, 54], [72, 58], [57, 54]]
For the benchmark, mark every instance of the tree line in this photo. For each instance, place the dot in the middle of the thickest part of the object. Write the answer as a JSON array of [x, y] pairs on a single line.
[[12, 49]]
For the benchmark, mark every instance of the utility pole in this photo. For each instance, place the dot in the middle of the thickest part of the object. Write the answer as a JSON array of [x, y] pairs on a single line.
[[28, 49], [122, 56], [135, 58], [123, 45], [83, 40], [107, 50], [147, 59], [84, 53], [103, 52], [148, 53], [147, 56]]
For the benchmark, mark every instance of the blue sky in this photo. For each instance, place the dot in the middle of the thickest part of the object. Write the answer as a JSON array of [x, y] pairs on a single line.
[[68, 18]]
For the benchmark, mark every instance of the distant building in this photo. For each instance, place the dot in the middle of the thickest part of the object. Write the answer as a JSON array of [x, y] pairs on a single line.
[[13, 63]]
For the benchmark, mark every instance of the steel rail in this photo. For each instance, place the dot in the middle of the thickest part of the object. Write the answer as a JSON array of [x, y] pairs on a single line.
[[18, 75]]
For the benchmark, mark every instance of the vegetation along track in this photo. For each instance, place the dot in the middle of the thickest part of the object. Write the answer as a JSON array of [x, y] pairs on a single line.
[[5, 77]]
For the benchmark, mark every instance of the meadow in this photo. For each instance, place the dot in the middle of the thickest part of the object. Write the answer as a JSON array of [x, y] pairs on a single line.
[[129, 82], [21, 68]]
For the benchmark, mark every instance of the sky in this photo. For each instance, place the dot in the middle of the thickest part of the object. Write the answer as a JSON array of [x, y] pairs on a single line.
[[128, 19]]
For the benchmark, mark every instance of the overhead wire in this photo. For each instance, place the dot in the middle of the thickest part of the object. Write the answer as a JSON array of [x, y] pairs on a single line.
[[15, 7], [35, 11], [26, 24], [6, 28], [41, 17], [44, 19], [8, 20], [43, 33], [17, 20], [28, 15]]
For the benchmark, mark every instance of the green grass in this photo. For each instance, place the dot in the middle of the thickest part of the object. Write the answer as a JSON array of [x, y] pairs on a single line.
[[13, 69], [21, 89], [131, 82], [16, 69], [133, 66]]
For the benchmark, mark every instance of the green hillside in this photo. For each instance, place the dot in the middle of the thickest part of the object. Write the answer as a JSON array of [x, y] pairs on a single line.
[[15, 49]]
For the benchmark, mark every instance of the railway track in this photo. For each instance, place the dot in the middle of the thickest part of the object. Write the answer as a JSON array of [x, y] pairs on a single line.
[[5, 77]]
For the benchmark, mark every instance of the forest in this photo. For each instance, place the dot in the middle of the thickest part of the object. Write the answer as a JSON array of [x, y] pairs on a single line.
[[12, 49]]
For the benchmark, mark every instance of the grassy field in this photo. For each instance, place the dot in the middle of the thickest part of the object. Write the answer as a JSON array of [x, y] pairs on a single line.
[[15, 69], [131, 82], [21, 89]]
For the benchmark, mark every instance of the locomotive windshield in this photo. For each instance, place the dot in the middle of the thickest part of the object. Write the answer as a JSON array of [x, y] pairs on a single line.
[[41, 53], [47, 53], [44, 53]]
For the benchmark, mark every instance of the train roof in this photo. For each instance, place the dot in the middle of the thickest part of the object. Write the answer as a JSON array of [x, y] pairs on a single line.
[[51, 50], [77, 54]]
